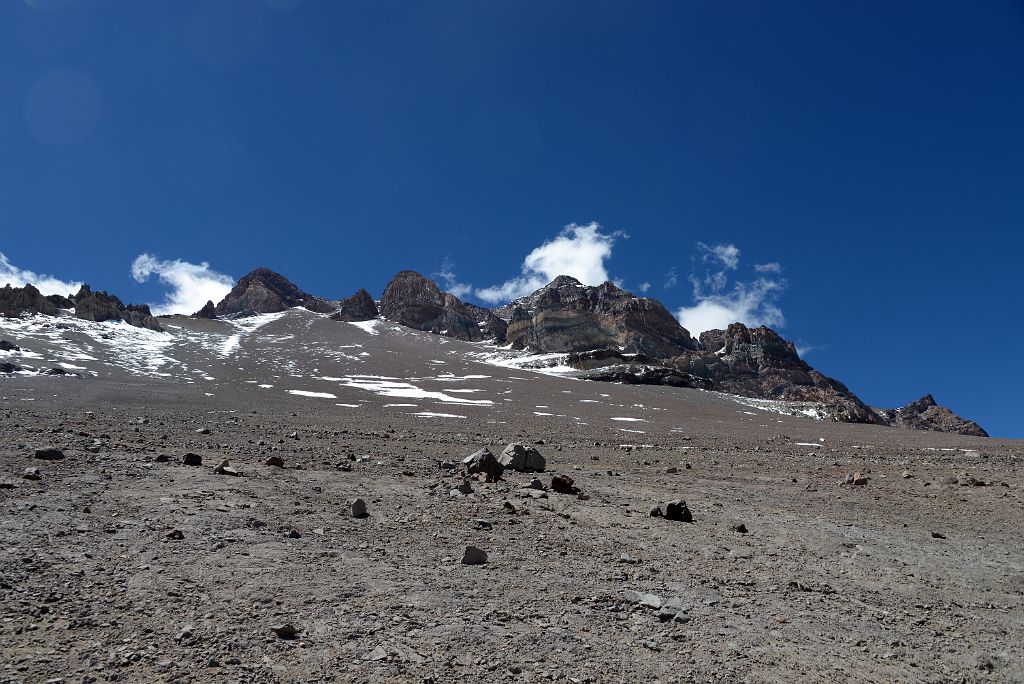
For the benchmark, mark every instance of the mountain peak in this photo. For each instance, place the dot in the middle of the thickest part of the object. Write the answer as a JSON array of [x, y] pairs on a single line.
[[266, 291]]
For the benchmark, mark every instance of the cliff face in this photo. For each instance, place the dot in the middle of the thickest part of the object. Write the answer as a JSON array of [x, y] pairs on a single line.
[[567, 316], [264, 291]]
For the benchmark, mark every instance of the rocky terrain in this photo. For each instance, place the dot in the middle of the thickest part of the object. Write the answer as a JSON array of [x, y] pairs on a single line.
[[284, 497], [264, 291]]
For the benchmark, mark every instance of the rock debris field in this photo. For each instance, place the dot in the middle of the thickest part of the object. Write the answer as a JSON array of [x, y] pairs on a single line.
[[175, 528]]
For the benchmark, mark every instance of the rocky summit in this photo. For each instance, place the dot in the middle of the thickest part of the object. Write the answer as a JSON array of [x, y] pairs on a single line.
[[358, 307], [926, 414], [417, 302], [264, 291], [567, 316]]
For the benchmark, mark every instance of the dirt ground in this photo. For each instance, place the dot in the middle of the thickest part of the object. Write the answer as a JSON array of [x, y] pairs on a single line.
[[116, 565]]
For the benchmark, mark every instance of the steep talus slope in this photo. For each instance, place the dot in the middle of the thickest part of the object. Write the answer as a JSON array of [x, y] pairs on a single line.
[[567, 316], [264, 291]]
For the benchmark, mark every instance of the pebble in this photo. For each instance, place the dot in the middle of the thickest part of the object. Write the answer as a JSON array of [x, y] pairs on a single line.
[[203, 431], [32, 474]]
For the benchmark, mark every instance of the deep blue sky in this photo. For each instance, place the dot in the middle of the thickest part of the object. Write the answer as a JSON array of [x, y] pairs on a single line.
[[874, 149]]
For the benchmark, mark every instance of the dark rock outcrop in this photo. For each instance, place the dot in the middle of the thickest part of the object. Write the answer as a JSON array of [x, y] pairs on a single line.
[[102, 306], [60, 302], [566, 316], [926, 414], [17, 301], [758, 362], [358, 307], [417, 302], [264, 291], [209, 311], [8, 346]]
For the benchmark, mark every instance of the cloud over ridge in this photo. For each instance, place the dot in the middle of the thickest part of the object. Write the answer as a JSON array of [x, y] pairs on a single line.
[[579, 251], [192, 285], [716, 305], [46, 284]]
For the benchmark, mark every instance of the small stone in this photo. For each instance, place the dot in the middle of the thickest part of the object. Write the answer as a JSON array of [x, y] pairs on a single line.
[[641, 598], [32, 474], [275, 462], [49, 454], [162, 458], [474, 556], [175, 534], [535, 483], [938, 535], [286, 631], [293, 534], [481, 524], [192, 459], [224, 468], [203, 431], [522, 458], [293, 435], [357, 507], [741, 528], [905, 475], [462, 490]]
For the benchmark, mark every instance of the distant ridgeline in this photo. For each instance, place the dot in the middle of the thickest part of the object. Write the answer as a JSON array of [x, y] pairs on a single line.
[[606, 333]]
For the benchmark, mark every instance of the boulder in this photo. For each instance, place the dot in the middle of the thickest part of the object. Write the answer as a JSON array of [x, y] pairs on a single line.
[[484, 463], [522, 458], [563, 484], [192, 459], [357, 507], [8, 346]]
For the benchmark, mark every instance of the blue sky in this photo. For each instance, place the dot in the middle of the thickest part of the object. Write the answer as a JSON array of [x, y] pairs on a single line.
[[873, 151]]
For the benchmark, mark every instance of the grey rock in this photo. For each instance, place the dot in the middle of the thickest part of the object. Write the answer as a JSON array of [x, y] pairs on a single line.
[[191, 459], [286, 631], [49, 454], [357, 507], [474, 556], [484, 463], [522, 458]]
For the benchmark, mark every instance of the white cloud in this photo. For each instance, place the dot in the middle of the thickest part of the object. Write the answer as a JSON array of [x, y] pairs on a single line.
[[770, 267], [716, 306], [192, 285], [46, 284], [671, 278], [451, 282], [643, 287], [577, 251], [727, 255]]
